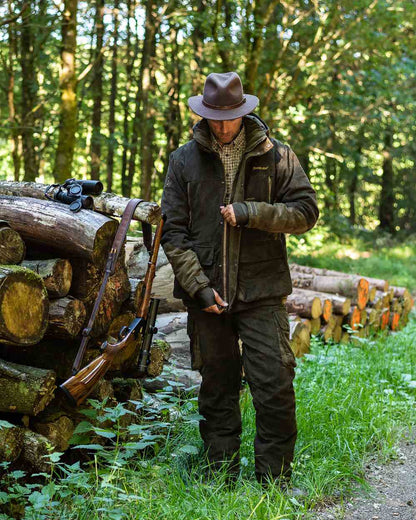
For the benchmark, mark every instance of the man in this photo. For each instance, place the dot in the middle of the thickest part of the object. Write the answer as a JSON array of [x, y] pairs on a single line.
[[230, 195]]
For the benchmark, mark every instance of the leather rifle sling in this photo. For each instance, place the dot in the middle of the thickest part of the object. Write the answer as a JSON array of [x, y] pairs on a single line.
[[109, 270]]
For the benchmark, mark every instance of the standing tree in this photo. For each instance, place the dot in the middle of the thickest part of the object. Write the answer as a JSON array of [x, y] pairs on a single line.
[[68, 84]]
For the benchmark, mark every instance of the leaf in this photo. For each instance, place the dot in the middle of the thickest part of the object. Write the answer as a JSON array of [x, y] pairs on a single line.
[[96, 447], [83, 427], [5, 424], [188, 448], [108, 434]]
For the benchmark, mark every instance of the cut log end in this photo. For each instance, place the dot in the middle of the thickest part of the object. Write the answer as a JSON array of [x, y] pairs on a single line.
[[23, 306]]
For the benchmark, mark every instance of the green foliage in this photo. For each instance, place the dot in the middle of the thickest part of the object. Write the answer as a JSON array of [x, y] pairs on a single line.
[[332, 80], [156, 469]]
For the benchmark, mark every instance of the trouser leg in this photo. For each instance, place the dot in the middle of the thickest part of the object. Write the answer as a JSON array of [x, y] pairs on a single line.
[[220, 387], [269, 369]]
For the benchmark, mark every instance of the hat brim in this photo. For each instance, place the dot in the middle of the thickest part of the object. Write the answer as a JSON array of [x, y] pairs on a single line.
[[195, 104]]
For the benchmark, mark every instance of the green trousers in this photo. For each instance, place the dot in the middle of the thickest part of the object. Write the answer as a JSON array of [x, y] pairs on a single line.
[[268, 364]]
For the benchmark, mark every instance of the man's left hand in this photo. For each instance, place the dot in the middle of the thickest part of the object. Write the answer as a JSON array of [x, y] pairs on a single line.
[[228, 214]]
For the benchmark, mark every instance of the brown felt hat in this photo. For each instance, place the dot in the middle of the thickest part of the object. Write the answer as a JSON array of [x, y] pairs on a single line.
[[223, 98]]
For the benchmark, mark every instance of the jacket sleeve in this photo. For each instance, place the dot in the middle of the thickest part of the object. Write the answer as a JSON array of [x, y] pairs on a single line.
[[294, 209], [175, 238]]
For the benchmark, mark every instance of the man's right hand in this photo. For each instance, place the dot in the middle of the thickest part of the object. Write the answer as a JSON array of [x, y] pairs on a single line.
[[220, 304]]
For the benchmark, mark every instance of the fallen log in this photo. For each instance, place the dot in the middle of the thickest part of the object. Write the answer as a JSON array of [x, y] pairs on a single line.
[[53, 226], [300, 338], [381, 285], [106, 203], [56, 274], [353, 287], [25, 390], [353, 318], [12, 247], [87, 279], [10, 443], [56, 355], [304, 303], [66, 318], [56, 427], [24, 306]]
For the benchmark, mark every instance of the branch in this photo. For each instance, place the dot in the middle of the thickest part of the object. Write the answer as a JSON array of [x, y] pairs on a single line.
[[16, 16]]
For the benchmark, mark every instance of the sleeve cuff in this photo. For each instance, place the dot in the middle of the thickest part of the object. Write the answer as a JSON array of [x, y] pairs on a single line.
[[241, 213], [205, 297]]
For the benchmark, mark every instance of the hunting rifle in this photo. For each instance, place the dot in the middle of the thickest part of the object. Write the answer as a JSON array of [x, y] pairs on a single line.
[[80, 385]]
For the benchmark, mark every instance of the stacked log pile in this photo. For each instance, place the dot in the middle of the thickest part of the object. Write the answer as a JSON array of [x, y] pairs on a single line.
[[51, 266]]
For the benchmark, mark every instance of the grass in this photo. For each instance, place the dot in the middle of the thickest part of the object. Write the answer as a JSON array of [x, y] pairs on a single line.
[[354, 403]]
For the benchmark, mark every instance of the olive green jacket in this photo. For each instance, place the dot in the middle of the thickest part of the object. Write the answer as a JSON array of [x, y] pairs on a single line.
[[247, 263]]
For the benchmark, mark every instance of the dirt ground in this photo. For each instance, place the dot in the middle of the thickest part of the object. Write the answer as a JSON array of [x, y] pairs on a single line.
[[393, 494]]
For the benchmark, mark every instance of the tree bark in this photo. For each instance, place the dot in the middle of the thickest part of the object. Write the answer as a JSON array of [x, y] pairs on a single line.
[[106, 203], [29, 97], [112, 141], [56, 274], [66, 318], [51, 225], [12, 247], [97, 91], [380, 284], [26, 390], [351, 286], [11, 440], [24, 306], [87, 281], [386, 208], [68, 85], [15, 143]]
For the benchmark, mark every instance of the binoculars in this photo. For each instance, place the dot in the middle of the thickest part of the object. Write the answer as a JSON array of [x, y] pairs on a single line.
[[76, 193]]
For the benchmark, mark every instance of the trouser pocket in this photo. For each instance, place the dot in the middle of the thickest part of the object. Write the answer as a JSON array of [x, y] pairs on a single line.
[[192, 330], [283, 333]]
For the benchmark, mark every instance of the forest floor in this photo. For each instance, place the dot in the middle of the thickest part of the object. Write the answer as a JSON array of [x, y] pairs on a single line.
[[392, 492]]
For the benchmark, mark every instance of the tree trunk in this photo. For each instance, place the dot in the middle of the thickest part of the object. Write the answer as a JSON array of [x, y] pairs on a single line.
[[54, 226], [66, 318], [131, 55], [25, 390], [67, 84], [24, 306], [386, 207], [56, 274], [112, 141], [15, 143], [97, 91], [29, 97], [106, 203], [12, 247]]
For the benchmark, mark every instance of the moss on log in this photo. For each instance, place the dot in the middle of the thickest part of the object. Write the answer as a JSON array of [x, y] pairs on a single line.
[[12, 247], [24, 389]]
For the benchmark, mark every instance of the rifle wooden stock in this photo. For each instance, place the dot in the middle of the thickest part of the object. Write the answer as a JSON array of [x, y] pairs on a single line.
[[78, 387]]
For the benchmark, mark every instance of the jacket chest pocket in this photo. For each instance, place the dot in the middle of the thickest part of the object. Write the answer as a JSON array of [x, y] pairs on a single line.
[[260, 186]]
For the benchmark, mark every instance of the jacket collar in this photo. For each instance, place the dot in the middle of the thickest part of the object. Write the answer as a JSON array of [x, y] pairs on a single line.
[[257, 140]]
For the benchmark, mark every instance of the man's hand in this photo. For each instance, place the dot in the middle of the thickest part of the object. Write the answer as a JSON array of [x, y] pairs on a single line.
[[228, 214], [220, 305]]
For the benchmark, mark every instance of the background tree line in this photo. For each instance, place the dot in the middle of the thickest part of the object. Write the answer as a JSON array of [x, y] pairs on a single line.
[[99, 89]]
